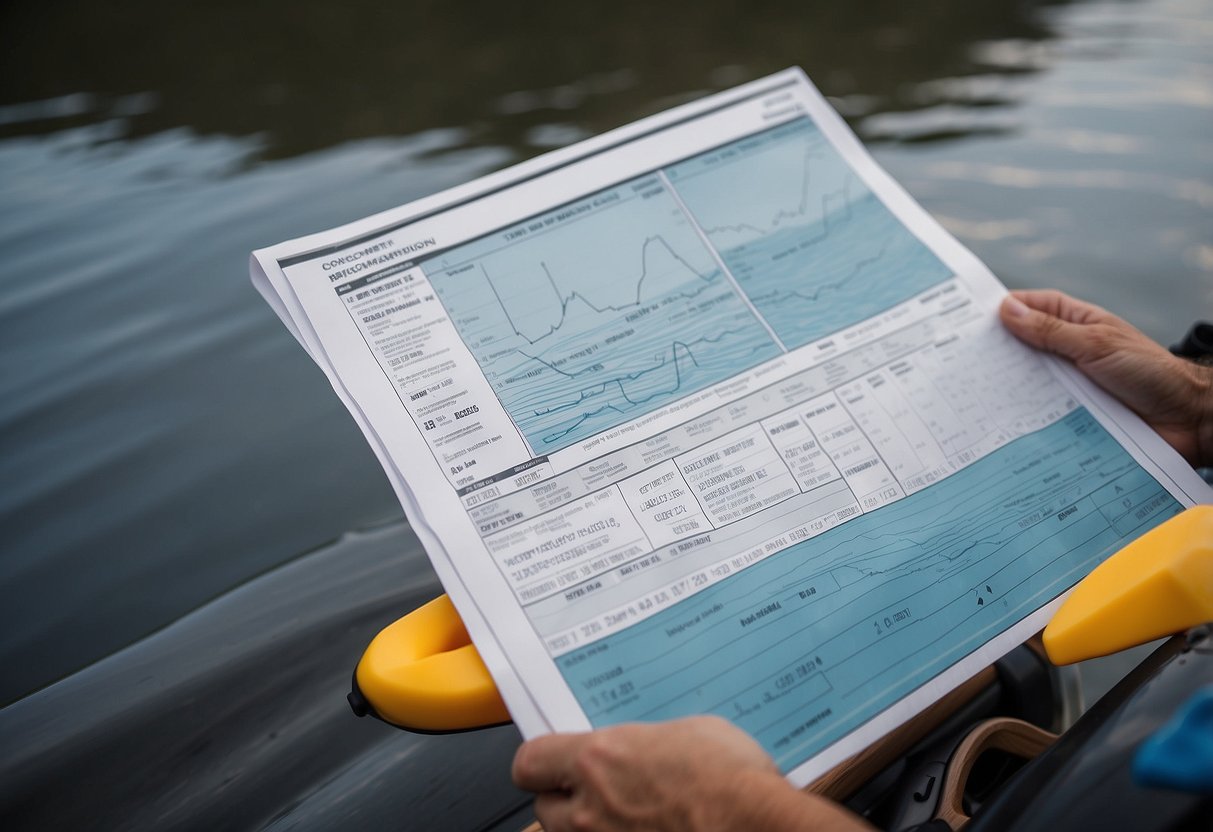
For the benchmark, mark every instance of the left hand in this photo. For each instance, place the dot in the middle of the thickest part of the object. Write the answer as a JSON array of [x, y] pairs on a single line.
[[700, 773]]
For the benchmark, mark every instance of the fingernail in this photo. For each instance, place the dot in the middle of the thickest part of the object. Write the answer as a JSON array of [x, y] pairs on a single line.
[[1015, 307]]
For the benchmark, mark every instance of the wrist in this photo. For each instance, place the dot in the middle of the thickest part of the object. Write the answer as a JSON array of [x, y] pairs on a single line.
[[1202, 417]]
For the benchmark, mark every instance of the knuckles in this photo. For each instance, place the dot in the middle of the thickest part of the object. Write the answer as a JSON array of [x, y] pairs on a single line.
[[1104, 340], [1047, 329], [602, 751]]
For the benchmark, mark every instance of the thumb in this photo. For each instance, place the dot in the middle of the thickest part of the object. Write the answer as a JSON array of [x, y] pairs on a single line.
[[1044, 331]]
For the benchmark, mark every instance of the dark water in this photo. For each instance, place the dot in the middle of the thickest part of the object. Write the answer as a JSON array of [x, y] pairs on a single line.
[[164, 440]]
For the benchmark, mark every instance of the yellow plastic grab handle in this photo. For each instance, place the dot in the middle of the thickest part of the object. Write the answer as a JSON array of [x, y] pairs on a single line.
[[423, 673], [1158, 585]]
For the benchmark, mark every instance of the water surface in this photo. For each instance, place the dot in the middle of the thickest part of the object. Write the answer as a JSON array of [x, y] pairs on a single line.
[[165, 440]]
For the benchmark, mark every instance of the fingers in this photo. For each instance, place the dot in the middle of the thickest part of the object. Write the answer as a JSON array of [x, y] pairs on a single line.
[[1060, 305], [1043, 330], [545, 763]]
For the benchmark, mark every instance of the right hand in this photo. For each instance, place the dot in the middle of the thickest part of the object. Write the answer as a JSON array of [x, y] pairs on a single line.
[[1173, 396]]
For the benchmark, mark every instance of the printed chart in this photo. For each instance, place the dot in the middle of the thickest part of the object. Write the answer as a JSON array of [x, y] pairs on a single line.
[[800, 648], [807, 241], [597, 312]]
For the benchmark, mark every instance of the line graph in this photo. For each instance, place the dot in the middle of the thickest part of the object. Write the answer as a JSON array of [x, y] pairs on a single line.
[[597, 312], [782, 216], [809, 243], [565, 299]]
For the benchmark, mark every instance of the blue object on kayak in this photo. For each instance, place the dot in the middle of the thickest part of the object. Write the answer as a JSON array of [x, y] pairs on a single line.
[[1179, 755]]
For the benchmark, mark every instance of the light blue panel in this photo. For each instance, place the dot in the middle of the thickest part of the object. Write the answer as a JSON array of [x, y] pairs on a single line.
[[597, 312], [803, 647], [807, 241]]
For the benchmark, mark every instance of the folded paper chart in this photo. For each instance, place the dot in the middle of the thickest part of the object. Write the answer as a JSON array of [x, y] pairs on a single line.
[[706, 415]]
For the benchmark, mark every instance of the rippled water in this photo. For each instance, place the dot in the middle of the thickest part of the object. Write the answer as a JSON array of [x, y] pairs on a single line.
[[163, 437]]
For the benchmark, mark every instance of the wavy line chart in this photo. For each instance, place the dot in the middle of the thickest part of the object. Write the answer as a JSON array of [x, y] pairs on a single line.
[[810, 245], [597, 312]]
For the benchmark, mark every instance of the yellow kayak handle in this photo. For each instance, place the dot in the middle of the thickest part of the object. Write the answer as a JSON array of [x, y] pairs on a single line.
[[423, 673], [1158, 585]]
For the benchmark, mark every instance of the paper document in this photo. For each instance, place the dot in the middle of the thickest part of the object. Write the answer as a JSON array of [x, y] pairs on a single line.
[[706, 415]]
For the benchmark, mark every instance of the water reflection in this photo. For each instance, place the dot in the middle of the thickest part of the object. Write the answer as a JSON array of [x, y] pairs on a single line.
[[163, 437], [301, 77]]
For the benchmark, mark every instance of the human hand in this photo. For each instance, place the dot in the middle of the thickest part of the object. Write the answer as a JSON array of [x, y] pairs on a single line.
[[700, 773], [1172, 396]]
